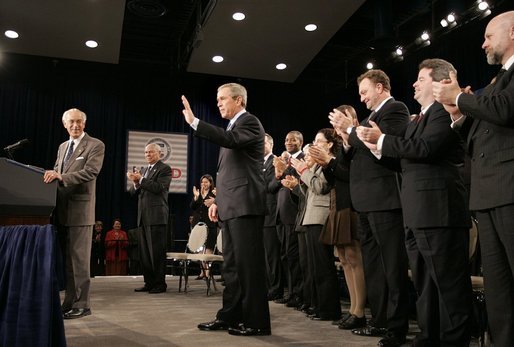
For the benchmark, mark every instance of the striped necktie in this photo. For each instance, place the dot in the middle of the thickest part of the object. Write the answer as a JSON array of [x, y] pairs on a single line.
[[67, 157]]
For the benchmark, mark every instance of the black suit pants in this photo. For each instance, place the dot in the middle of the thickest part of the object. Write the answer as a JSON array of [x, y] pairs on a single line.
[[152, 253], [439, 262], [321, 256], [273, 262], [294, 274], [496, 233], [245, 297], [385, 268]]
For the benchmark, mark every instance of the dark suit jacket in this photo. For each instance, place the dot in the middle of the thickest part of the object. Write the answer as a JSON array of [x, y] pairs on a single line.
[[153, 196], [200, 211], [337, 174], [240, 189], [270, 219], [76, 194], [373, 182], [490, 136], [287, 202], [432, 192]]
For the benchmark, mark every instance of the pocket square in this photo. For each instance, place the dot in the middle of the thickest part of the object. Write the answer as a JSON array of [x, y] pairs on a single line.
[[79, 158]]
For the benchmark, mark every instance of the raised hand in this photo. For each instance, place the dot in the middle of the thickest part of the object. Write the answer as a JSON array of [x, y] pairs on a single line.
[[188, 113]]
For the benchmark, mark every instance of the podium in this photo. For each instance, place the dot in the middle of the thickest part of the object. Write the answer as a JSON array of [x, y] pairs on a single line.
[[24, 197]]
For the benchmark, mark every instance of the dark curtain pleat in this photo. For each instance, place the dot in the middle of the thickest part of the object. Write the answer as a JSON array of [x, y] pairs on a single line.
[[30, 313]]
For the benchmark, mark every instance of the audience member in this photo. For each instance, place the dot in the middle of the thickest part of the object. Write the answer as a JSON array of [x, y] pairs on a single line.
[[287, 209], [97, 250], [374, 194], [342, 224], [240, 204], [79, 161], [203, 198], [435, 212], [152, 188], [320, 257], [116, 243], [270, 233], [486, 121]]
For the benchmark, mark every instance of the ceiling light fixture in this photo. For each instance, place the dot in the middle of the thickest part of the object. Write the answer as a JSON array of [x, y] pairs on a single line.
[[425, 36], [483, 5], [450, 18], [444, 23], [91, 43], [11, 34], [369, 66], [399, 51], [281, 66], [217, 59], [311, 27], [238, 16]]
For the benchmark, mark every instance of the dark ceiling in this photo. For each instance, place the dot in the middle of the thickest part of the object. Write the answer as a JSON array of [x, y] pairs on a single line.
[[179, 36]]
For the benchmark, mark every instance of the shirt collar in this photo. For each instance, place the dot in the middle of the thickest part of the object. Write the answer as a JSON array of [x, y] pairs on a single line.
[[509, 62], [267, 156], [424, 110], [382, 104], [294, 155], [233, 120], [78, 139]]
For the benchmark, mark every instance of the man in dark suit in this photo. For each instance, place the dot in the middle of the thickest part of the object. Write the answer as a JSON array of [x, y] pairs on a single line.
[[374, 194], [435, 212], [487, 121], [287, 210], [240, 205], [78, 163], [270, 234], [152, 188]]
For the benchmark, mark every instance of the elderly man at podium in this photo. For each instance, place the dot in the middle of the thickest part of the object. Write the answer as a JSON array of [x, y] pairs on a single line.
[[79, 161]]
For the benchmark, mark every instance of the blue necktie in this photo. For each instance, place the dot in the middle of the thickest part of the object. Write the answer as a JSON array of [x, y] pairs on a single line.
[[67, 157]]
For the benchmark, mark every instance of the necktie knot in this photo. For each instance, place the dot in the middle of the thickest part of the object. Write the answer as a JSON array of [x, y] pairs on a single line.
[[419, 117]]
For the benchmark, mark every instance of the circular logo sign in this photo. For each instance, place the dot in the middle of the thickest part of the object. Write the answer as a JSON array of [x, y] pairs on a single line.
[[165, 147]]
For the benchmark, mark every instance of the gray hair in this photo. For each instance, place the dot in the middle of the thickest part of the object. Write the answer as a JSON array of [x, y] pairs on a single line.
[[65, 114], [155, 146], [235, 91]]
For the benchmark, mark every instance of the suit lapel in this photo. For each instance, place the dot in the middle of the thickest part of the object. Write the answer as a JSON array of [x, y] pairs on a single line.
[[76, 153]]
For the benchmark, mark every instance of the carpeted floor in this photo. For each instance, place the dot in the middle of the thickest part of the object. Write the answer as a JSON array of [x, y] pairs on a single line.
[[121, 317]]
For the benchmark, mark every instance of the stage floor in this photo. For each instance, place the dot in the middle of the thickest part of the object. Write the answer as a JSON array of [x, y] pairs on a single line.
[[122, 317]]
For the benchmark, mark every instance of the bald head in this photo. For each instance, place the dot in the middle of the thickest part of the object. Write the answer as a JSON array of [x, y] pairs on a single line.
[[499, 38]]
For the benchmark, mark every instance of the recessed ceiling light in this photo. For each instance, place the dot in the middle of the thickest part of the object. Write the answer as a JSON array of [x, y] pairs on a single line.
[[281, 66], [217, 59], [91, 43], [238, 16], [369, 65], [11, 34], [311, 27]]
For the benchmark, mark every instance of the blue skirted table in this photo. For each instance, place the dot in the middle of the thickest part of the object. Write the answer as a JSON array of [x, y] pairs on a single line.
[[30, 310]]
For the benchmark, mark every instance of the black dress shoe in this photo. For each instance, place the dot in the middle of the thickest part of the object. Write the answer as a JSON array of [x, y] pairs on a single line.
[[324, 318], [142, 289], [353, 322], [157, 290], [370, 330], [76, 313], [273, 297], [344, 317], [294, 301], [303, 308], [282, 300], [216, 324], [241, 330], [311, 311], [391, 340]]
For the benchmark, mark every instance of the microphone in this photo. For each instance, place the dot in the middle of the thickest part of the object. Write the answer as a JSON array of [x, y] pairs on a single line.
[[16, 145]]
